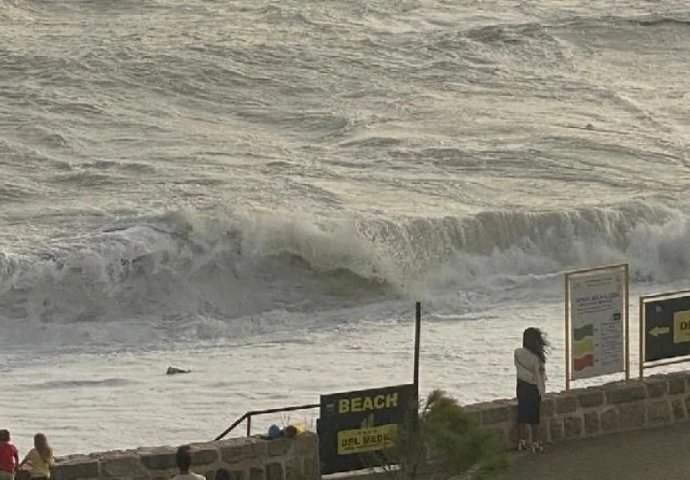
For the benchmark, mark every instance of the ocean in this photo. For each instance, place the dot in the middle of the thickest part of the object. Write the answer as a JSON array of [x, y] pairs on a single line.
[[260, 190]]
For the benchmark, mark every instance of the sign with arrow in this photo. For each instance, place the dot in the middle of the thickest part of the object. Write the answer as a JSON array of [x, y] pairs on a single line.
[[667, 328], [656, 331]]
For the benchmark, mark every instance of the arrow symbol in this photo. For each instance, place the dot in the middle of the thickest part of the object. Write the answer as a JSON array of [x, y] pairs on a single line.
[[656, 331]]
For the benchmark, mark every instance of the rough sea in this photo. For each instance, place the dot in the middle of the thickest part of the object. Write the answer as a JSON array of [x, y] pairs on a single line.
[[260, 191]]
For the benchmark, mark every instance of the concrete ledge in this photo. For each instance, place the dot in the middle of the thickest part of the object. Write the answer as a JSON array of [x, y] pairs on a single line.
[[587, 412], [245, 458]]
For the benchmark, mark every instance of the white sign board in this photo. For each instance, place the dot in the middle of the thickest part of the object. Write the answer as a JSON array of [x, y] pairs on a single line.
[[597, 305]]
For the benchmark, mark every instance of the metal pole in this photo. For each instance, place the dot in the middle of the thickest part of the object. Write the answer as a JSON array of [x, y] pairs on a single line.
[[417, 334], [642, 320], [626, 270], [249, 426], [567, 333]]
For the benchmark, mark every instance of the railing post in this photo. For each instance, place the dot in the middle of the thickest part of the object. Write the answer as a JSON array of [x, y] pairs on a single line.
[[249, 425]]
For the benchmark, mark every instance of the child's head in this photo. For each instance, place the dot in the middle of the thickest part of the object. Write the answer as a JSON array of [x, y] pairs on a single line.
[[4, 435], [183, 458]]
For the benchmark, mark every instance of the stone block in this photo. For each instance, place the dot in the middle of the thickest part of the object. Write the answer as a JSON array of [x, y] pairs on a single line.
[[678, 407], [496, 414], [632, 415], [239, 450], [306, 444], [123, 466], [204, 454], [566, 404], [656, 387], [312, 468], [256, 474], [592, 425], [573, 427], [659, 412], [274, 471], [676, 385], [610, 420], [279, 447], [556, 431], [75, 468], [543, 431], [591, 397], [294, 469], [236, 474], [548, 407], [625, 393], [162, 458]]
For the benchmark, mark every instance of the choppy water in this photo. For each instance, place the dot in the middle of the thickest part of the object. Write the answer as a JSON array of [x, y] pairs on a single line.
[[267, 186]]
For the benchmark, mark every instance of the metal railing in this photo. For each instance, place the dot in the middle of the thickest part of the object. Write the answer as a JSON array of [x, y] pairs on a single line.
[[251, 413]]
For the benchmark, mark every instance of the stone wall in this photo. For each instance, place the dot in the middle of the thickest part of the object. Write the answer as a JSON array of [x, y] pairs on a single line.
[[246, 459], [585, 412]]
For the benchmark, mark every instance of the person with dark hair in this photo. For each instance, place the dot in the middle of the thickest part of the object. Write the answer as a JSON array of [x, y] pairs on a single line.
[[222, 474], [530, 365], [39, 459], [9, 456], [183, 459]]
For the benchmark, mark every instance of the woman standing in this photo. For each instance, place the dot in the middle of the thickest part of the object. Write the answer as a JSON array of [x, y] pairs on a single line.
[[39, 459], [530, 365]]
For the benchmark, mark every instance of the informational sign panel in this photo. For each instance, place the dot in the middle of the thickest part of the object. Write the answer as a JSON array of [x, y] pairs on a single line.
[[667, 328], [356, 427], [596, 321]]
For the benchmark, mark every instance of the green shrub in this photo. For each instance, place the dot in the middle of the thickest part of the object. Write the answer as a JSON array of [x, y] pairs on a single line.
[[444, 441]]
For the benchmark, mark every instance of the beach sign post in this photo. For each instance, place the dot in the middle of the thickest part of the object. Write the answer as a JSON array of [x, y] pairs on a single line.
[[664, 329], [596, 322]]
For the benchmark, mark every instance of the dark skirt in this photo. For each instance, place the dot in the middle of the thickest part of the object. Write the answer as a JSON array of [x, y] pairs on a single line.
[[529, 403]]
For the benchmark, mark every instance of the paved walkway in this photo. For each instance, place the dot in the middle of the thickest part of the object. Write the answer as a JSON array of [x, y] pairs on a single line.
[[660, 454]]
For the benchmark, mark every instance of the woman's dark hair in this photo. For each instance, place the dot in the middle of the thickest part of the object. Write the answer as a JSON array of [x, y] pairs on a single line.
[[4, 435], [535, 341], [183, 458]]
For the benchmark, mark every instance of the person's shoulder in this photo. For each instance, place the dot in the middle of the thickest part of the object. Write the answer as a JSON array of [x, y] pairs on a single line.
[[199, 477]]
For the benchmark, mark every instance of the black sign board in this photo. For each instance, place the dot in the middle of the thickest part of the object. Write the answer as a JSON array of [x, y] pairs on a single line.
[[355, 427], [667, 328]]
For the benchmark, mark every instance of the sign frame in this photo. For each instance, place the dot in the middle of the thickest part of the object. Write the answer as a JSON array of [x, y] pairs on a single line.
[[624, 268], [644, 299]]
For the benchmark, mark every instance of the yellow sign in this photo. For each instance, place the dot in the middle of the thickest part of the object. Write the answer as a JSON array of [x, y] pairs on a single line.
[[367, 439], [681, 327], [365, 403]]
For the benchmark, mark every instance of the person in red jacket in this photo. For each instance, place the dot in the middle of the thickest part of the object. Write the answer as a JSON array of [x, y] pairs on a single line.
[[9, 457]]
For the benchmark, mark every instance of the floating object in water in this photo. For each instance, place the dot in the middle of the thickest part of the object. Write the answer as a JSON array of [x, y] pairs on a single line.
[[174, 370]]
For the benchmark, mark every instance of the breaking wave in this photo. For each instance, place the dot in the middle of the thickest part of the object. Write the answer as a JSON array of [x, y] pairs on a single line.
[[225, 266]]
